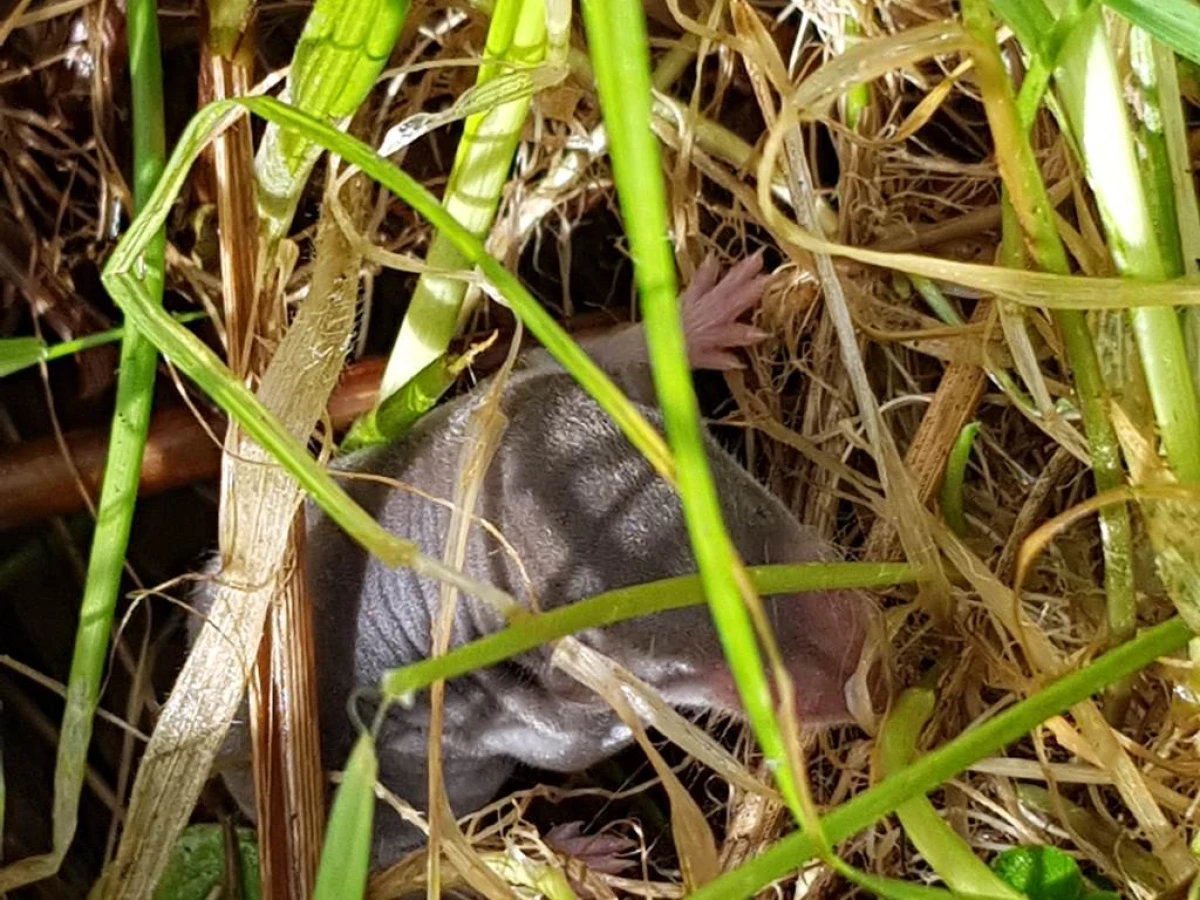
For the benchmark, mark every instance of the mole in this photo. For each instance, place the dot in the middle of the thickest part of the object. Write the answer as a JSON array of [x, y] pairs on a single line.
[[583, 513]]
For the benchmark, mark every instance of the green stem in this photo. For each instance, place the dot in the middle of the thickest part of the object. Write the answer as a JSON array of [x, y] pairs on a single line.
[[1094, 103], [516, 35], [619, 52], [1027, 210], [118, 492], [530, 631]]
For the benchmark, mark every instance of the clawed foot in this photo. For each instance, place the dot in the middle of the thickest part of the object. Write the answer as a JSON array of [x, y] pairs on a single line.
[[711, 309], [600, 852]]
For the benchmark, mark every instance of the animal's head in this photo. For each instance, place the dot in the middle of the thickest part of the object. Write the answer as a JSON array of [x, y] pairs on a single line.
[[821, 636]]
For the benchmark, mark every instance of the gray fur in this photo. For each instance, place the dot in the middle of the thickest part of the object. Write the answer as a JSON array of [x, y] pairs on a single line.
[[586, 514]]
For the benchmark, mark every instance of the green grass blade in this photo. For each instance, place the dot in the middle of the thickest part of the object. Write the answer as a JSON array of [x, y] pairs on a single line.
[[1174, 22], [343, 48], [22, 352], [347, 852], [620, 58], [118, 492], [529, 631]]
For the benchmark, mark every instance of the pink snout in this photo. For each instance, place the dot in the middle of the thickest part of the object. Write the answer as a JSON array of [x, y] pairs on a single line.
[[822, 639]]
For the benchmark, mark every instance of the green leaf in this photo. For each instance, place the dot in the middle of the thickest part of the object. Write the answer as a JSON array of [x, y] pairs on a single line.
[[952, 484], [197, 866], [1041, 873], [347, 851], [20, 353], [1174, 22], [399, 412]]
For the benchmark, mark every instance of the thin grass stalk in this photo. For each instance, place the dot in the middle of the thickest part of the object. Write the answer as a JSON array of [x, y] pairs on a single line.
[[1115, 531], [1104, 451], [344, 46], [1089, 87], [131, 419], [1187, 210], [22, 353], [1028, 211], [118, 491], [620, 57], [529, 631]]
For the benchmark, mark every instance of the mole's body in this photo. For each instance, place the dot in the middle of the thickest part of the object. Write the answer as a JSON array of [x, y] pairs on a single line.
[[583, 513]]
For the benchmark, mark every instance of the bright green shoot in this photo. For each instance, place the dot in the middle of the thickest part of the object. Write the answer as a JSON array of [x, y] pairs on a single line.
[[517, 35], [127, 442]]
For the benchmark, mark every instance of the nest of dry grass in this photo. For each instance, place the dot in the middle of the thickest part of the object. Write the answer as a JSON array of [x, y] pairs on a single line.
[[915, 174]]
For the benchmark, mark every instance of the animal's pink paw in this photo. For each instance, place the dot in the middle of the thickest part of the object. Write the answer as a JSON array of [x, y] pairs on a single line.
[[600, 852], [711, 309]]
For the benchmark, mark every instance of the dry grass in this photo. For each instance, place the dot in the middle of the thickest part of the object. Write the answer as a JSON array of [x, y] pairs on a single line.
[[915, 174]]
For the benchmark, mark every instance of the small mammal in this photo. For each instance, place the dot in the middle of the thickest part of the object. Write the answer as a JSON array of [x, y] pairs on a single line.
[[586, 514]]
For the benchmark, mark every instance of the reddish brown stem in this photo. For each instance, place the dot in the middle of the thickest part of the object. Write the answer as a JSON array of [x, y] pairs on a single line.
[[36, 482]]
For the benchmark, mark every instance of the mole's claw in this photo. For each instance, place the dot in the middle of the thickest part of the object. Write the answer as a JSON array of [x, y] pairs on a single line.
[[600, 852], [711, 311]]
